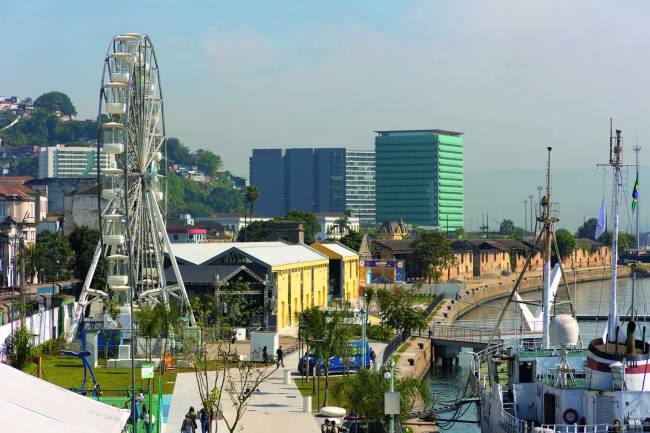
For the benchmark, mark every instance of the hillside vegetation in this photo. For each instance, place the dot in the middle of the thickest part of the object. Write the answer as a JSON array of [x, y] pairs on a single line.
[[44, 127]]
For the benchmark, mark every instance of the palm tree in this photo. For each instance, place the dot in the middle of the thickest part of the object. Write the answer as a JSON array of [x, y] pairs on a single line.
[[251, 195], [342, 224], [363, 393]]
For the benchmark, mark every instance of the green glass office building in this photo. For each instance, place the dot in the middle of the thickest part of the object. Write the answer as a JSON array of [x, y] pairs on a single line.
[[419, 177]]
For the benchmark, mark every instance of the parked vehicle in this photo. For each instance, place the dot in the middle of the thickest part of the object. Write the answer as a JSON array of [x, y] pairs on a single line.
[[352, 362], [355, 424]]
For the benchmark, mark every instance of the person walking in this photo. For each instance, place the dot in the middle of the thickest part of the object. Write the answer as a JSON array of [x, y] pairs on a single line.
[[265, 355], [373, 359], [280, 357], [187, 426], [204, 420], [192, 414]]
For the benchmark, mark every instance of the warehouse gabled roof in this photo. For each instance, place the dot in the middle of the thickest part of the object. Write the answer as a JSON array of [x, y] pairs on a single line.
[[337, 248], [276, 253]]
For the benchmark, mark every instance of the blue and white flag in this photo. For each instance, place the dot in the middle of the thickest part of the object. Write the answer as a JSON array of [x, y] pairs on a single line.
[[602, 220]]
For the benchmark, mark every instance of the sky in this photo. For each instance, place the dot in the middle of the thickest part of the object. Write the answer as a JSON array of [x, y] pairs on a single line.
[[515, 76]]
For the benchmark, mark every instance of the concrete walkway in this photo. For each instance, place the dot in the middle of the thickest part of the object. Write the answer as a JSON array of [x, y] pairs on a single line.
[[275, 408]]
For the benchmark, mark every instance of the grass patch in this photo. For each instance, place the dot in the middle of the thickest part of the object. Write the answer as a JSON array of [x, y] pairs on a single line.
[[421, 298], [305, 388], [68, 372]]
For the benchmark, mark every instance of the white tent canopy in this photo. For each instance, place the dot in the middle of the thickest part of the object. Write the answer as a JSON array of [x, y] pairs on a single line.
[[32, 405]]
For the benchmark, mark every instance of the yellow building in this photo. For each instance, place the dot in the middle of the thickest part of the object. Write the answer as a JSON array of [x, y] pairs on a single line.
[[343, 269], [285, 278]]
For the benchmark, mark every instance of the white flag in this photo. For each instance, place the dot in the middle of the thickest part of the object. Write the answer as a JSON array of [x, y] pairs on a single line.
[[602, 220]]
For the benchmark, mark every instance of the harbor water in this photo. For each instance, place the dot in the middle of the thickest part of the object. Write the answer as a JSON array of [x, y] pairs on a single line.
[[590, 298]]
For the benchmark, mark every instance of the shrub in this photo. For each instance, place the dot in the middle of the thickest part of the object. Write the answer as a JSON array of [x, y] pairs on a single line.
[[51, 347], [18, 349]]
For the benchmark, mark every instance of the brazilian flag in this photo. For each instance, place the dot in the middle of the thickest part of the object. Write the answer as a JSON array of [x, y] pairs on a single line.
[[635, 193]]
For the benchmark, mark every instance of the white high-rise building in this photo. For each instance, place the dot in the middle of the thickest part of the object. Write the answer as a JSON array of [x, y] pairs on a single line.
[[360, 185], [70, 161]]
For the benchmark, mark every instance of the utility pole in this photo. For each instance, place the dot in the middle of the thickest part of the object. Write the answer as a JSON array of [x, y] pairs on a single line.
[[532, 226]]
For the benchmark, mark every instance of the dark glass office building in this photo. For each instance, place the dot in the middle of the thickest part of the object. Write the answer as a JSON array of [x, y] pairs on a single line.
[[266, 169], [307, 179], [329, 180]]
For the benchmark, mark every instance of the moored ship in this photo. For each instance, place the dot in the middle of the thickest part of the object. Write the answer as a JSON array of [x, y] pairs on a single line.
[[556, 384]]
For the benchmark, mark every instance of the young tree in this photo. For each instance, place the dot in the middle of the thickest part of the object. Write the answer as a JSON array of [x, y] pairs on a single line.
[[364, 392], [588, 229], [397, 311], [219, 371], [53, 256], [433, 252], [148, 324], [507, 227], [565, 242], [312, 328], [83, 241], [236, 308], [337, 334], [309, 220], [352, 239], [256, 231]]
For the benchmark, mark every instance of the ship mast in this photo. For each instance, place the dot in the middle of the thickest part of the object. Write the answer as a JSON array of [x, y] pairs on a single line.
[[548, 233], [636, 149], [616, 162]]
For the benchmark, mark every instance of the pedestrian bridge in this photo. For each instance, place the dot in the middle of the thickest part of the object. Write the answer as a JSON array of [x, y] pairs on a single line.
[[473, 334]]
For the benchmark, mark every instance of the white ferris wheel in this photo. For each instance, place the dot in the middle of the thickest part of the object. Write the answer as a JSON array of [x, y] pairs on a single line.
[[133, 240]]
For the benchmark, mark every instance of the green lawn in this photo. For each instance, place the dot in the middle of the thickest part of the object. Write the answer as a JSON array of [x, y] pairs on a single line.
[[421, 298], [306, 389], [68, 372]]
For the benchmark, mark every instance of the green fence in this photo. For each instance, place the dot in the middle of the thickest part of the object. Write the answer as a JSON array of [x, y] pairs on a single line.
[[121, 398]]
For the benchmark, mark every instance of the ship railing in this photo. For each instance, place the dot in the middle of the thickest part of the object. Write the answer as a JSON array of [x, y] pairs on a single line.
[[478, 358], [548, 375], [511, 424], [575, 428]]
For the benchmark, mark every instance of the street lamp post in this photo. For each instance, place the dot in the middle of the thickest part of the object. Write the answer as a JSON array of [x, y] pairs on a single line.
[[390, 375], [525, 215], [364, 319]]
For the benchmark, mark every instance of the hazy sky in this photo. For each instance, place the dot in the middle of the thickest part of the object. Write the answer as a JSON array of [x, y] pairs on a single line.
[[514, 76]]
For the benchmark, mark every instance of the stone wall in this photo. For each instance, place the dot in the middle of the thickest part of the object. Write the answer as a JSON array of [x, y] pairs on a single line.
[[475, 295]]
